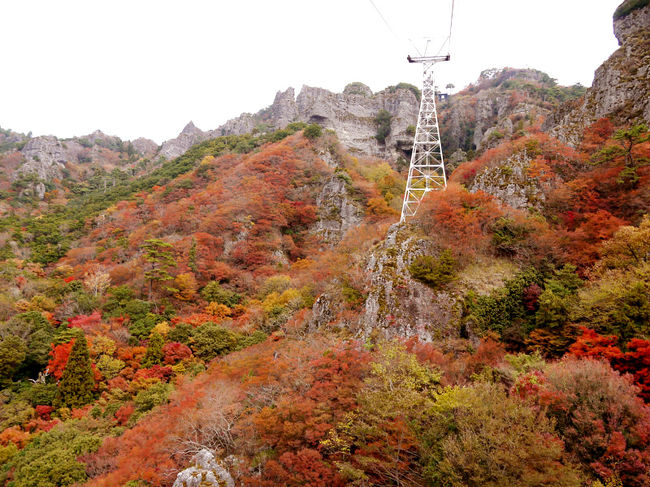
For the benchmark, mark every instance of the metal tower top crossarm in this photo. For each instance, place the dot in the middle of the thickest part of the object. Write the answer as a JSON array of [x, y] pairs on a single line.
[[428, 59], [427, 169]]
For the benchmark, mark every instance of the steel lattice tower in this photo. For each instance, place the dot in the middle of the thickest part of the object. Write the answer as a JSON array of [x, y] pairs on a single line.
[[427, 169]]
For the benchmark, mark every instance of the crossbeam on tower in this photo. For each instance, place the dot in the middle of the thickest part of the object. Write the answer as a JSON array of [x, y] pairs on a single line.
[[427, 168]]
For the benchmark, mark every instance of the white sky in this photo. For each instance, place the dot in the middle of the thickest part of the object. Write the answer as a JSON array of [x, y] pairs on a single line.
[[137, 68]]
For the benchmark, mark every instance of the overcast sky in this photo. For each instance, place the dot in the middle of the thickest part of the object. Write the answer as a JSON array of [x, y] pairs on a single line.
[[144, 68]]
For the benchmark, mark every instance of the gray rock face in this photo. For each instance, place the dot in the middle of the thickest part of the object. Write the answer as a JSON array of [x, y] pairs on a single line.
[[44, 156], [398, 305], [351, 114], [146, 147], [509, 181], [190, 135], [337, 212], [621, 86], [204, 471], [484, 120]]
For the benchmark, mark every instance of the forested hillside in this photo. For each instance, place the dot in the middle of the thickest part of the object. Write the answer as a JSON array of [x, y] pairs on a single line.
[[253, 313]]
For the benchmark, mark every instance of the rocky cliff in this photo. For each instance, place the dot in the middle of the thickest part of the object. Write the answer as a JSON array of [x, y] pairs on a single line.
[[501, 104], [621, 86]]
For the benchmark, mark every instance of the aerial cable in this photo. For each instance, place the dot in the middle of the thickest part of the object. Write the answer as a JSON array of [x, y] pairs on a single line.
[[390, 28], [451, 23], [384, 19]]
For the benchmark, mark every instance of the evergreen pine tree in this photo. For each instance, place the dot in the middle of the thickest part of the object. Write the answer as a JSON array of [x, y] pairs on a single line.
[[78, 382], [154, 354]]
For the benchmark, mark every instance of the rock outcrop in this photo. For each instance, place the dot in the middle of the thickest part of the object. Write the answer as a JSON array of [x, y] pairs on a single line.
[[44, 156], [204, 471], [500, 103], [621, 86], [510, 183], [189, 136], [398, 305], [351, 114], [337, 211]]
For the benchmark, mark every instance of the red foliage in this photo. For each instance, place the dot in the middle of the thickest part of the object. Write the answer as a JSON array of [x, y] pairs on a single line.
[[154, 372], [44, 412], [175, 352], [531, 296], [636, 361], [60, 355], [123, 414], [85, 322], [305, 467]]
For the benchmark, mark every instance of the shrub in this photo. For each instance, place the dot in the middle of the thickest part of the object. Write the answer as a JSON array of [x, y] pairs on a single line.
[[600, 418], [480, 436], [214, 293], [382, 119], [434, 272], [211, 340], [628, 6], [313, 131]]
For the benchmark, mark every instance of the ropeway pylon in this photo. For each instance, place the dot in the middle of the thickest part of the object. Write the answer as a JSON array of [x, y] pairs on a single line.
[[427, 169]]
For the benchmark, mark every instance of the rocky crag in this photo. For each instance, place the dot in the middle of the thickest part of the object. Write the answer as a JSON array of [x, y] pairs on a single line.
[[621, 86], [351, 114], [501, 104]]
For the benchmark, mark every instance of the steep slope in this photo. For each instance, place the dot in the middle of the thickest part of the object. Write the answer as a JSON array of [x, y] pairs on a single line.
[[621, 86], [501, 104]]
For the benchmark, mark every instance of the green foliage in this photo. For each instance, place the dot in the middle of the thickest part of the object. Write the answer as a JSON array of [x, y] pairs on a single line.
[[42, 394], [479, 436], [617, 304], [151, 397], [628, 6], [503, 309], [210, 340], [13, 351], [508, 236], [154, 354], [524, 363], [558, 298], [434, 272], [214, 293], [393, 410], [159, 255], [313, 131], [109, 367], [382, 119], [258, 336], [37, 333], [355, 88], [142, 327], [181, 333], [77, 385], [50, 459], [117, 299], [410, 130], [136, 309], [275, 284]]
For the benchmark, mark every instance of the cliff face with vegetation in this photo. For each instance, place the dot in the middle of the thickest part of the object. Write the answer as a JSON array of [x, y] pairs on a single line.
[[621, 86], [252, 313]]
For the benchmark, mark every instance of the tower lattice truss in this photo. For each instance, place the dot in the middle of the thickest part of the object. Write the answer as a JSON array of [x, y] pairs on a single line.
[[427, 169]]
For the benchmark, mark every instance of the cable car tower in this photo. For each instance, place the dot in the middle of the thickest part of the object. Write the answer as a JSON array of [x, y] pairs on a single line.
[[427, 169]]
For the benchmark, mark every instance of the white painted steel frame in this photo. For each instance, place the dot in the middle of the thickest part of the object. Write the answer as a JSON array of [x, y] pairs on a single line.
[[427, 169]]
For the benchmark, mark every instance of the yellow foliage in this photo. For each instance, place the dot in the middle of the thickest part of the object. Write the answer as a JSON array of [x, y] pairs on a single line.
[[218, 310], [274, 300], [42, 303], [161, 328], [101, 345], [186, 285], [303, 263]]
